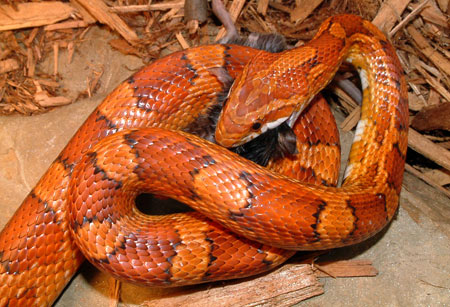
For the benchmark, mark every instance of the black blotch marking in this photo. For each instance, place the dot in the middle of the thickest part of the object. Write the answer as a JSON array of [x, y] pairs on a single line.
[[401, 126], [385, 45], [98, 170], [193, 70], [49, 209], [398, 84], [248, 178], [86, 220], [4, 263], [144, 103], [305, 170], [194, 172], [396, 146], [355, 222], [208, 160], [109, 123], [325, 183], [131, 80], [313, 142], [320, 208], [234, 216], [131, 142], [184, 57], [267, 262], [212, 258], [193, 195], [67, 166]]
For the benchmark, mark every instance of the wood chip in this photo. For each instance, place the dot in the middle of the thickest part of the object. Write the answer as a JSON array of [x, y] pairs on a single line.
[[425, 48], [438, 176], [101, 12], [55, 58], [427, 179], [8, 65], [31, 63], [33, 14], [151, 7], [44, 100], [283, 287], [66, 25], [434, 83], [408, 18], [262, 7], [114, 291], [346, 268], [351, 120], [303, 9], [429, 149], [184, 44], [433, 117], [389, 14], [432, 14]]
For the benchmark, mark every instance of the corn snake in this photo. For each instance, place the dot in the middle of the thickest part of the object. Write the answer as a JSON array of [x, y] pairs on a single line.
[[34, 268]]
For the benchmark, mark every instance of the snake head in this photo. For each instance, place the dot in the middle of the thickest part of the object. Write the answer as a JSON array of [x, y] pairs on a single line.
[[254, 106]]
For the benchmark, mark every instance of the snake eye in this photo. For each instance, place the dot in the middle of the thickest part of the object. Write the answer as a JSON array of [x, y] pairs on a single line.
[[256, 126]]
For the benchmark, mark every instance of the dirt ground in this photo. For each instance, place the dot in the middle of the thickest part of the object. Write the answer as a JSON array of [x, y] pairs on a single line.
[[412, 254]]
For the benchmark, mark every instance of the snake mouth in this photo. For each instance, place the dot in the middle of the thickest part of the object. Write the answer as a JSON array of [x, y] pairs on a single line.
[[287, 121]]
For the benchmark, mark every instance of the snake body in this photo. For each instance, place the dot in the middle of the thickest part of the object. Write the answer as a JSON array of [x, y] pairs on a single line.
[[132, 144]]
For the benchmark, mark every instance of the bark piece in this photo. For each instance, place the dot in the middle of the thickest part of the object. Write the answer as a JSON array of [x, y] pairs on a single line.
[[101, 12], [149, 7], [346, 268], [389, 14], [424, 47], [8, 65], [283, 287], [429, 149], [196, 10], [33, 14], [432, 118], [303, 9]]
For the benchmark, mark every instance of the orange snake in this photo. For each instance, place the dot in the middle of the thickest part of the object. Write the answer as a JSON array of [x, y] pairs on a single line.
[[38, 254]]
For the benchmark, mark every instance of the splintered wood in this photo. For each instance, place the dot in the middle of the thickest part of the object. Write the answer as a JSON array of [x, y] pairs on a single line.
[[285, 286], [33, 14]]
